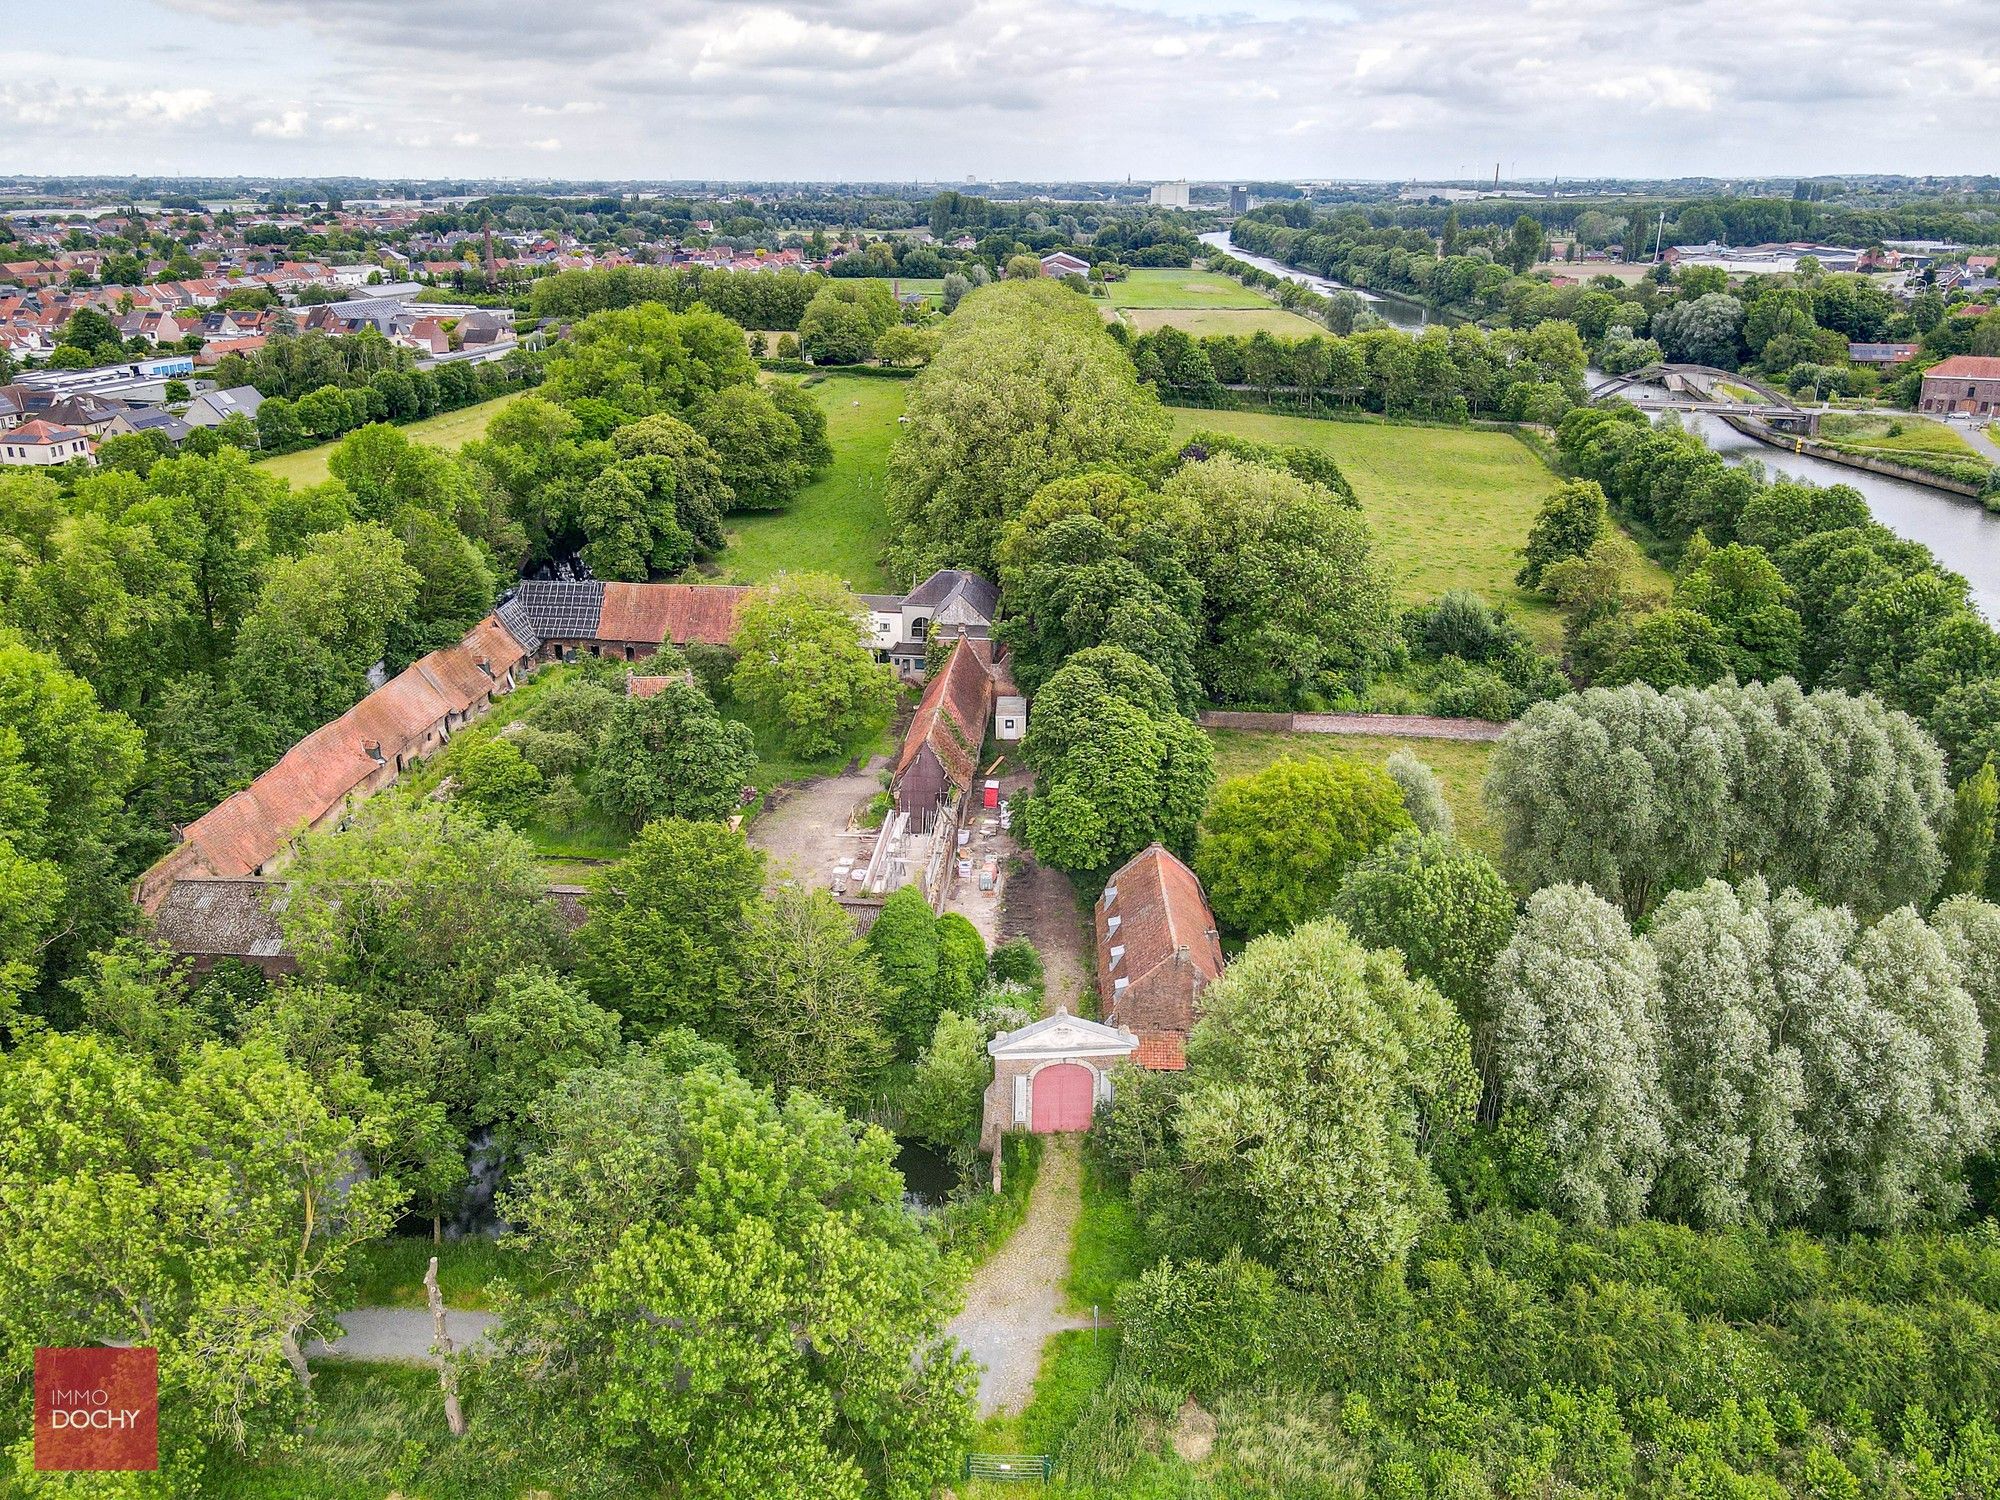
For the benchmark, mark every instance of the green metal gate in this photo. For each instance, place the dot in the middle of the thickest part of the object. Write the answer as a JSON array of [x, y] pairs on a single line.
[[1014, 1468]]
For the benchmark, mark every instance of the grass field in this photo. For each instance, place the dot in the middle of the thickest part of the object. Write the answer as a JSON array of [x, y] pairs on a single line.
[[1202, 321], [1450, 506], [1869, 433], [379, 1430], [1176, 288], [390, 1273], [1460, 766], [839, 523], [450, 430]]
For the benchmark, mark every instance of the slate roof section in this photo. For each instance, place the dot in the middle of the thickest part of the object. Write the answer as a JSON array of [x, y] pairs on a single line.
[[948, 584], [224, 919], [952, 717], [559, 611]]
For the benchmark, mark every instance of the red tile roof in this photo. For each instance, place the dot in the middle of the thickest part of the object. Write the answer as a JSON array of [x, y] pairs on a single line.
[[1161, 1052], [676, 612], [952, 717], [314, 777], [1965, 367], [43, 432], [1161, 909]]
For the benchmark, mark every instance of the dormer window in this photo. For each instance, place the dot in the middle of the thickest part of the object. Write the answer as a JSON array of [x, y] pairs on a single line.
[[1110, 894], [1118, 985], [1117, 952], [1111, 925]]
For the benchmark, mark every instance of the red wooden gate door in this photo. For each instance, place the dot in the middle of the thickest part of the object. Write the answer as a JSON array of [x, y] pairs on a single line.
[[1062, 1098]]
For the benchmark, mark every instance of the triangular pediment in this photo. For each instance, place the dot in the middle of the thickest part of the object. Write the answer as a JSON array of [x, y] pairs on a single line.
[[1063, 1035]]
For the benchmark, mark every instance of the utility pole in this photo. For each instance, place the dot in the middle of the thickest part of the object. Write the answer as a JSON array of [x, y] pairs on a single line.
[[1659, 237]]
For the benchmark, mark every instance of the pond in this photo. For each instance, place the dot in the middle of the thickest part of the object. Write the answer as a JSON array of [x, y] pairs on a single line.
[[929, 1177]]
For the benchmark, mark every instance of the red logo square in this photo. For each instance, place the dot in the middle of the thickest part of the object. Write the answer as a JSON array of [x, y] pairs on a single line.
[[97, 1408]]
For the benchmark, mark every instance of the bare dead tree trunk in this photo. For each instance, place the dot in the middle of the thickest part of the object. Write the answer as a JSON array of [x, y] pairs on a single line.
[[454, 1415], [296, 1357]]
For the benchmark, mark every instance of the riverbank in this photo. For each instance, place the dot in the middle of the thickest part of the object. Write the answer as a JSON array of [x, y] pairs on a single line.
[[1827, 453], [1961, 533], [1406, 313]]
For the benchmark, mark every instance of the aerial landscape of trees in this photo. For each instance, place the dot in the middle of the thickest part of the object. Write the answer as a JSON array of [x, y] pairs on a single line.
[[1599, 1100]]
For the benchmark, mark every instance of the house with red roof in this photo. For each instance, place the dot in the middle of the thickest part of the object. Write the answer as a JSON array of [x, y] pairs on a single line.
[[940, 752], [1157, 950], [1964, 384], [40, 444]]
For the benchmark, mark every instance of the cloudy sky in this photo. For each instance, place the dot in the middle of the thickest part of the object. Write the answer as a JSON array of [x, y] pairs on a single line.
[[1006, 89]]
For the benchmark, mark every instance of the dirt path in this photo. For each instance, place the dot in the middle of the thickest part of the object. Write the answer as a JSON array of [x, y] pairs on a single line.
[[801, 832], [1015, 1300]]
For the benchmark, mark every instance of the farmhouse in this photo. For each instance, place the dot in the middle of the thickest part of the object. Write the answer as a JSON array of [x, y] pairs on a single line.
[[316, 781], [1156, 951], [629, 620], [1062, 263], [940, 754], [1964, 383], [949, 604]]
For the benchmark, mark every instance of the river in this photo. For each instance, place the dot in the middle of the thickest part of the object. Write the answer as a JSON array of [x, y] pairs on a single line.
[[1392, 310], [1963, 534]]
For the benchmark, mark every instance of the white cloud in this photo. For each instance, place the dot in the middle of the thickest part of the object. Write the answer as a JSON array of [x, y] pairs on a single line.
[[1017, 88], [287, 127]]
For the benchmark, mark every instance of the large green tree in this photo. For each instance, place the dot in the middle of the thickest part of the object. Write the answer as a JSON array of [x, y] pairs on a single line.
[[1026, 387], [803, 664], [1275, 845], [663, 943], [739, 1302], [810, 1010], [672, 755], [208, 1216], [1577, 1051], [1117, 766], [1318, 1079]]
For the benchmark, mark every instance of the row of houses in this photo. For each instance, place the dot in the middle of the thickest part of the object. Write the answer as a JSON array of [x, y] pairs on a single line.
[[41, 427], [316, 783]]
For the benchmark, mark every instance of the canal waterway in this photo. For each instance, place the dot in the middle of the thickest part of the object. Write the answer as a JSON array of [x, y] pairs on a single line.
[[1392, 310], [1962, 532]]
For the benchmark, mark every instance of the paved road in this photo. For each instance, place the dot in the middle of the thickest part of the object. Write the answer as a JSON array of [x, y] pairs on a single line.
[[400, 1335], [1016, 1300], [1975, 436]]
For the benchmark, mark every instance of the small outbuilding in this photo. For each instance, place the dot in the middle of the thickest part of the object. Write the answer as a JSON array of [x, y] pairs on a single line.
[[1051, 1075]]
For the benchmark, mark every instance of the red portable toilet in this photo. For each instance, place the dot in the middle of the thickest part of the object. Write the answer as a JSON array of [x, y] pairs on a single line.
[[992, 794]]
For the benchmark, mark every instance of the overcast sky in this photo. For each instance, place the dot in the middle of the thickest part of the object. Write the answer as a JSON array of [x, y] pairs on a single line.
[[1003, 89]]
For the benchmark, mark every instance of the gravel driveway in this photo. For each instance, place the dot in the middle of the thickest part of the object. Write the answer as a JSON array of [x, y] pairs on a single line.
[[802, 831], [1015, 1300]]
